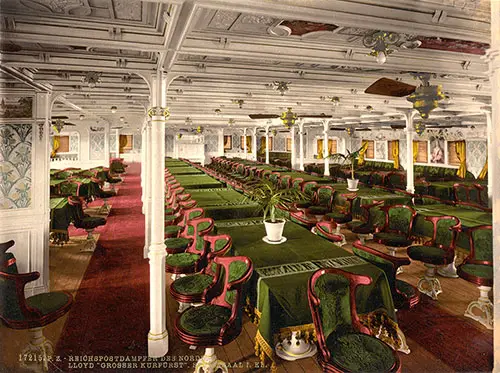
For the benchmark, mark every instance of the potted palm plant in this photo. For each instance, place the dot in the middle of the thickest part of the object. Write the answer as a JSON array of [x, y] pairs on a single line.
[[270, 197], [349, 158]]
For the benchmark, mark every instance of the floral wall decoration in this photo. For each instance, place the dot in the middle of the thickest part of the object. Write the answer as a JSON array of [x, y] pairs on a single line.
[[15, 166], [16, 107]]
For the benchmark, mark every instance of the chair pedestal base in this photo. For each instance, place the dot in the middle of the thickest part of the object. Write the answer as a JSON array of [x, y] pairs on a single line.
[[364, 237], [484, 305], [90, 243], [393, 251], [449, 271], [337, 231], [36, 355], [429, 284], [209, 363], [104, 209]]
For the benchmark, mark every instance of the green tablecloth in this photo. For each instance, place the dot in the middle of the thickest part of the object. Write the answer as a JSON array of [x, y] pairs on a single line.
[[60, 218], [174, 163], [198, 181], [469, 218], [307, 177], [188, 170], [278, 288], [223, 203]]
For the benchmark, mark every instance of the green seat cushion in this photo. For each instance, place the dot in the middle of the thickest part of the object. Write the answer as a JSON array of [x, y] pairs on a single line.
[[318, 210], [302, 204], [205, 320], [219, 244], [339, 217], [429, 254], [90, 222], [169, 218], [182, 259], [361, 228], [177, 243], [48, 302], [169, 211], [172, 229], [194, 284], [392, 239], [201, 227], [361, 353], [478, 270]]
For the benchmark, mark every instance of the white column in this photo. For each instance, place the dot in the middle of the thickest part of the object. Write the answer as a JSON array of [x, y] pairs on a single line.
[[267, 144], [491, 151], [301, 145], [245, 142], [493, 56], [106, 143], [144, 150], [325, 148], [254, 143], [158, 335], [292, 156], [220, 142], [409, 130], [117, 143], [147, 188]]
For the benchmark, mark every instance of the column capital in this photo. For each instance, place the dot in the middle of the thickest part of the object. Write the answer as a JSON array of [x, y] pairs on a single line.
[[486, 109], [158, 111]]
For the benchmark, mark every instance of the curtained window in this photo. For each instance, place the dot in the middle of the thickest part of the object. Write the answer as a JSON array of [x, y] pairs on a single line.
[[63, 144], [126, 143], [453, 159], [390, 145], [332, 147], [370, 150], [263, 144], [228, 142], [422, 153], [288, 144], [249, 143]]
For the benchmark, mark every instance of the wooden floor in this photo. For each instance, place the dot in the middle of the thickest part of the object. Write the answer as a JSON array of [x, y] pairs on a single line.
[[67, 267]]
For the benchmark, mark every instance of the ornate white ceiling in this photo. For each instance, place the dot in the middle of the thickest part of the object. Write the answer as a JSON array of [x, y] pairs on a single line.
[[224, 51]]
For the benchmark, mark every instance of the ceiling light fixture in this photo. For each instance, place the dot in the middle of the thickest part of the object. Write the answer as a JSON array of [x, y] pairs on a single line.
[[419, 128], [122, 119], [288, 118], [114, 109], [281, 86], [238, 102], [381, 42], [218, 111], [82, 117], [188, 121], [92, 78]]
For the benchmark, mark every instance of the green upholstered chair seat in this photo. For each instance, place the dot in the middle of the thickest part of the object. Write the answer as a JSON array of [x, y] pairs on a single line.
[[194, 284], [303, 204], [362, 228], [392, 239], [170, 218], [172, 229], [201, 227], [177, 243], [90, 222], [354, 224], [429, 254], [169, 211], [356, 352], [478, 270], [339, 217], [205, 320], [48, 302], [182, 259], [318, 210]]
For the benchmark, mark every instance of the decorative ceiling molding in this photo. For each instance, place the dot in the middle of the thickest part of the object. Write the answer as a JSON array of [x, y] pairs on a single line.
[[453, 45], [300, 28]]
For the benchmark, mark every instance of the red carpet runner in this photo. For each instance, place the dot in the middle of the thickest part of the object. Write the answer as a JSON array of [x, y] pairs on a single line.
[[110, 315]]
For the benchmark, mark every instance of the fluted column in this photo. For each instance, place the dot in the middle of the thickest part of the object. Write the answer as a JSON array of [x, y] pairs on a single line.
[[147, 188], [293, 157], [245, 142], [493, 57], [325, 148], [491, 151], [117, 143], [254, 143], [301, 145], [267, 144], [409, 130], [158, 335]]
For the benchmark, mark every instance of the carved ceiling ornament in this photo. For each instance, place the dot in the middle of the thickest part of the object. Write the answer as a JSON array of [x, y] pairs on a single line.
[[59, 6], [223, 19], [303, 27]]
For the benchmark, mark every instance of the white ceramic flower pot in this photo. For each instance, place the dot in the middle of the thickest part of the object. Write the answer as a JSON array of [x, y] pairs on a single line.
[[352, 184], [274, 230]]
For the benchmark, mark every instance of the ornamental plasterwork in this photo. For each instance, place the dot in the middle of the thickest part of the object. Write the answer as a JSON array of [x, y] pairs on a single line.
[[255, 19], [58, 6], [223, 19], [129, 10]]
